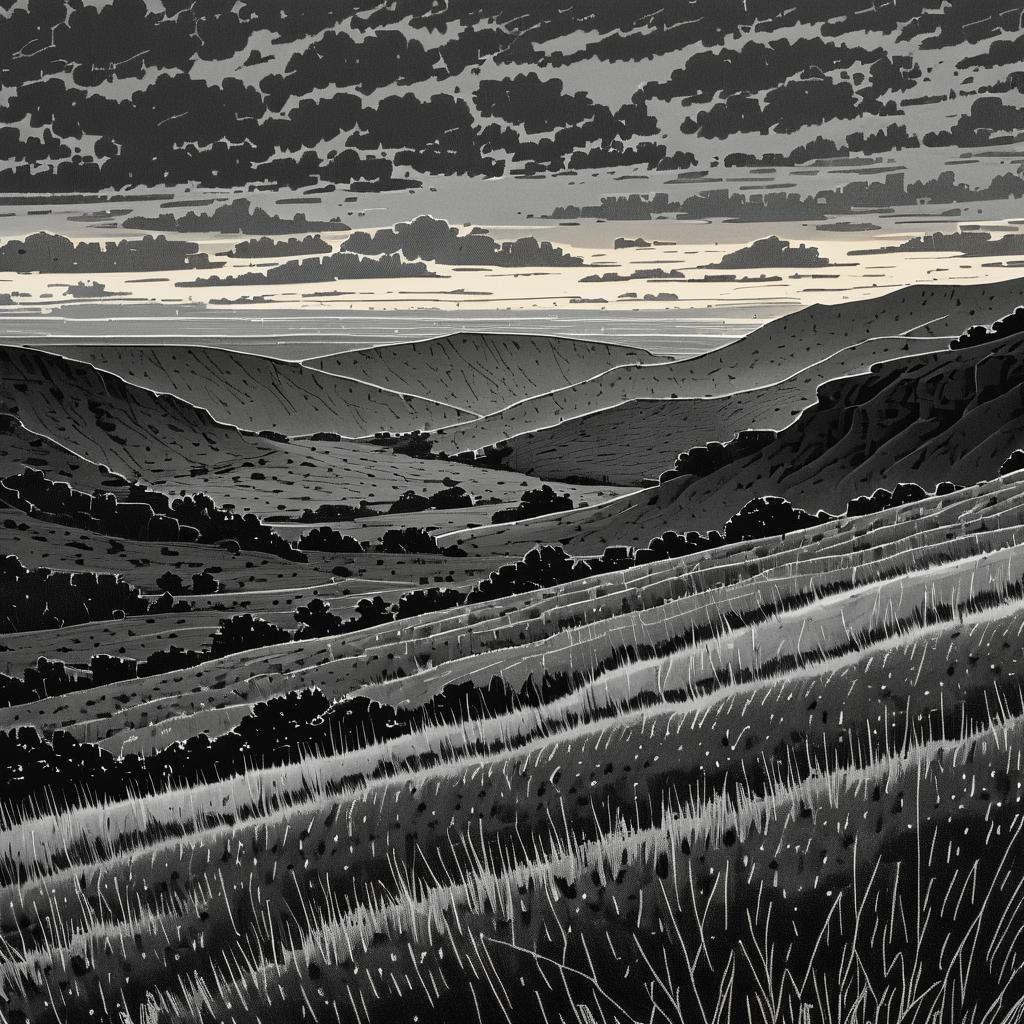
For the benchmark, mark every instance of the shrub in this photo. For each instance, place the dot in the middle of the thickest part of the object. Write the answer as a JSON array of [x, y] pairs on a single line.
[[323, 538], [1012, 323], [171, 583], [409, 501], [44, 599], [245, 633], [45, 679], [107, 669], [316, 619], [768, 517], [171, 660], [451, 497], [1013, 463], [411, 540], [539, 502], [418, 602], [331, 513], [205, 583]]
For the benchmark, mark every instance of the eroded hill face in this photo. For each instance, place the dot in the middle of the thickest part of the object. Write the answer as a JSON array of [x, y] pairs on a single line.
[[946, 416], [640, 439], [482, 372], [769, 356]]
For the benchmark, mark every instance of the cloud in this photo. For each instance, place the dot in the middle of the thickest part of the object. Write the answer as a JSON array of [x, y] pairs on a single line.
[[970, 243], [432, 239], [771, 252], [647, 274], [90, 290], [340, 266], [848, 225], [59, 255], [262, 248], [237, 218]]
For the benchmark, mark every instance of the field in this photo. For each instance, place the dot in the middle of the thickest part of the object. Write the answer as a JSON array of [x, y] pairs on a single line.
[[772, 775], [788, 754]]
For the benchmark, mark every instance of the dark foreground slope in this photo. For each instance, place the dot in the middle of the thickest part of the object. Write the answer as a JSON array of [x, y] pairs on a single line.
[[803, 754]]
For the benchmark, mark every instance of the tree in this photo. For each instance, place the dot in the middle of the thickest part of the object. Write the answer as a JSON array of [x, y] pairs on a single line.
[[372, 613], [108, 669], [409, 501], [418, 602], [1014, 462], [204, 583], [246, 633], [323, 538], [538, 502], [171, 583], [451, 497], [412, 540], [767, 517], [316, 619]]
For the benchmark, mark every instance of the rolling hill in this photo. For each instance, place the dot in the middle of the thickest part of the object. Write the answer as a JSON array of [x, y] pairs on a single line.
[[481, 372], [724, 724], [639, 439], [176, 446], [765, 357], [261, 393], [952, 415]]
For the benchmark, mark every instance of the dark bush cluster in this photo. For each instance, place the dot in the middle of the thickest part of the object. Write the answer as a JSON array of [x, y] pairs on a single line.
[[416, 444], [246, 633], [979, 334], [414, 540], [44, 679], [323, 538], [316, 618], [451, 496], [901, 494], [334, 513], [44, 599], [768, 517], [202, 583], [53, 678], [1014, 462], [216, 524], [538, 502], [304, 723], [706, 458], [146, 515]]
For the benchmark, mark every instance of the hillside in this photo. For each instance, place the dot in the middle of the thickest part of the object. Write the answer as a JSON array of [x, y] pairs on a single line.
[[260, 393], [765, 357], [639, 439], [176, 446], [481, 372], [952, 415], [717, 729]]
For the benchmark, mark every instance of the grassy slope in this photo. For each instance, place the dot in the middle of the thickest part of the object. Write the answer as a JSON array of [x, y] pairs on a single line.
[[862, 799], [948, 416], [569, 627], [641, 438], [767, 356], [179, 447], [481, 372], [258, 392]]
